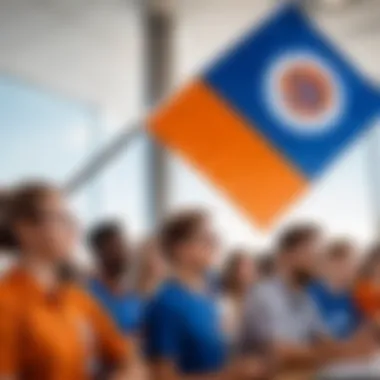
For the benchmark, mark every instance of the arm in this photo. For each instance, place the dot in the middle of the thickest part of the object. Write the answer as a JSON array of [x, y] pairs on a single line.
[[254, 352], [166, 370], [290, 356], [116, 351], [325, 350], [293, 356], [265, 337], [360, 346], [163, 346]]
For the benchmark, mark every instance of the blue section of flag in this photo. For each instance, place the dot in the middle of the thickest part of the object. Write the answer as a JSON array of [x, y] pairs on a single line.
[[240, 78]]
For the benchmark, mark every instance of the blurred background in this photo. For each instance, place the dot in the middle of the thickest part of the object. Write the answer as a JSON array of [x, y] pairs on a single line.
[[76, 76]]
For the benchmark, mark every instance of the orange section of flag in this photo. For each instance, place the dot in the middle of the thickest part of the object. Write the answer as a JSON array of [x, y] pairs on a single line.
[[201, 127]]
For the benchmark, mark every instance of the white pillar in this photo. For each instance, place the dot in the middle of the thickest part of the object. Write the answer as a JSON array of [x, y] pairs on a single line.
[[158, 36]]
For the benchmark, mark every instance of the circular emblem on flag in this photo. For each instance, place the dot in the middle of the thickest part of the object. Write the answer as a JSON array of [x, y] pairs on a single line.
[[304, 92]]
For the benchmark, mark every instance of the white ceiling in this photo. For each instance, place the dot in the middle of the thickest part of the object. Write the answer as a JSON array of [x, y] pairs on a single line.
[[91, 50], [85, 49]]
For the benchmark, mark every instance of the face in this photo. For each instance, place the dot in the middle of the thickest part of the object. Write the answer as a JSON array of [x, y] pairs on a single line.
[[200, 250], [156, 266], [114, 255], [303, 259], [53, 233], [341, 270]]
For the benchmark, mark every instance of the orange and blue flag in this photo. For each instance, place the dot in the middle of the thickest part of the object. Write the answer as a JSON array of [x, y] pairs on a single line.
[[270, 116]]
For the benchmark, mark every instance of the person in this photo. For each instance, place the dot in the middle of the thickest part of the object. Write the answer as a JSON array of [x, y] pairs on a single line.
[[183, 332], [367, 292], [238, 276], [50, 329], [333, 292], [113, 286], [4, 197], [152, 268], [7, 258], [281, 321]]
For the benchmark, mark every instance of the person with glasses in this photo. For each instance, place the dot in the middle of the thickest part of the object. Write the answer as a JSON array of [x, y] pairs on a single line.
[[282, 318], [49, 328]]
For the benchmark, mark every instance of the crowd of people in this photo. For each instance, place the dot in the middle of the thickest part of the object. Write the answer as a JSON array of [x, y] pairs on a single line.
[[164, 311]]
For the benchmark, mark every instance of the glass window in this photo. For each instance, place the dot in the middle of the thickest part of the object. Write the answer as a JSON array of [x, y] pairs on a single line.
[[41, 135], [120, 191]]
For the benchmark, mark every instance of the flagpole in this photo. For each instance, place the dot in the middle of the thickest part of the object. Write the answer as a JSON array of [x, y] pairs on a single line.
[[101, 159], [157, 22]]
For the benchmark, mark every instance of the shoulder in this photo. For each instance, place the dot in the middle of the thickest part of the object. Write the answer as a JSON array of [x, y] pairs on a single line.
[[266, 290], [93, 284], [317, 290], [316, 286], [169, 293], [225, 302], [261, 297], [81, 297], [364, 295], [166, 301], [164, 295], [95, 288], [363, 288]]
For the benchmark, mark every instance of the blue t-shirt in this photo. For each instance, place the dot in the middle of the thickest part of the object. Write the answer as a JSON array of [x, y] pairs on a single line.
[[184, 326], [337, 310], [125, 309]]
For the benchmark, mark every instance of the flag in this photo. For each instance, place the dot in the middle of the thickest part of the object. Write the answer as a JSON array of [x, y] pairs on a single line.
[[266, 119]]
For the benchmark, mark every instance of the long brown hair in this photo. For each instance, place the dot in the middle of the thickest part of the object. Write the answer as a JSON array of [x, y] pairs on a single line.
[[4, 231], [23, 202]]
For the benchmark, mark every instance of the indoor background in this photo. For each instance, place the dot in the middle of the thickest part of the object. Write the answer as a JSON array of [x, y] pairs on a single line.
[[73, 79]]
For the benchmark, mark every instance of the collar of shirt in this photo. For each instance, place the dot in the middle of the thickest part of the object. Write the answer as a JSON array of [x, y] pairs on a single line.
[[37, 286]]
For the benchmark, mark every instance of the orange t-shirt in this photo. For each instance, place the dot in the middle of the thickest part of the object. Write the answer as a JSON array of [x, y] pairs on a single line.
[[60, 337], [367, 296]]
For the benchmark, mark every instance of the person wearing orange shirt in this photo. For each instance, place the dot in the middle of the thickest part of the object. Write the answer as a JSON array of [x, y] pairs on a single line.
[[49, 329], [367, 292]]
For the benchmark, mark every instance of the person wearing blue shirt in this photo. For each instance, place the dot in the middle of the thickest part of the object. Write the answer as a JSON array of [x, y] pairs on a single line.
[[113, 286], [332, 293], [183, 336], [125, 306], [182, 329]]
